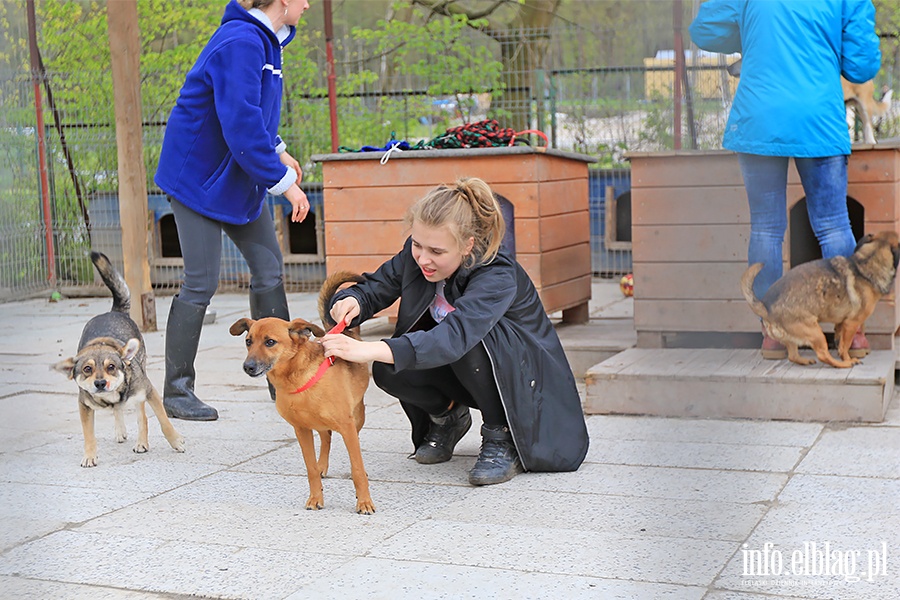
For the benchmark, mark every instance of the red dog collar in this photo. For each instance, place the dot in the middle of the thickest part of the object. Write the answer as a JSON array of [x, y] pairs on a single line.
[[339, 328]]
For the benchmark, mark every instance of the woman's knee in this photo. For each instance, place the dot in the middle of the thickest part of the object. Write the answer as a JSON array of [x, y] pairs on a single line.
[[387, 379]]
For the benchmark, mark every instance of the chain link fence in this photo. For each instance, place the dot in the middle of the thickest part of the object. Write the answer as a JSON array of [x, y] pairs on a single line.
[[599, 110]]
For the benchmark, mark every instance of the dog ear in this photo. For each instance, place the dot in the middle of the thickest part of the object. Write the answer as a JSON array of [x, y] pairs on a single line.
[[66, 367], [305, 328], [240, 326], [130, 349], [863, 241]]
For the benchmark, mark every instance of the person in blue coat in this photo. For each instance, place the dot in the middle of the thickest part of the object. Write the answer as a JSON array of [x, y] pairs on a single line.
[[789, 103], [471, 332], [220, 155]]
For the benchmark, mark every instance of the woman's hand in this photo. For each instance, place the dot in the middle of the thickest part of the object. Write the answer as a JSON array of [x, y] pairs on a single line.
[[343, 346], [291, 162], [299, 203], [345, 309]]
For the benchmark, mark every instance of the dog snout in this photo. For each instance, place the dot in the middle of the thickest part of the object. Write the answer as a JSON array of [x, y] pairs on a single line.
[[100, 384], [253, 368]]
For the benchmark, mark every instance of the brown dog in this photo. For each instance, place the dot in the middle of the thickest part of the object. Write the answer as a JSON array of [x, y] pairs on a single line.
[[285, 353], [862, 97], [839, 290]]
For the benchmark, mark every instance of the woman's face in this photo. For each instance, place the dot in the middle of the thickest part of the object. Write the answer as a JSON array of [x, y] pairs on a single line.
[[437, 252], [295, 10]]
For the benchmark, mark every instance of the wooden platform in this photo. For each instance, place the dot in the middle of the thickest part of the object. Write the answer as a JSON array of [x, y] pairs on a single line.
[[716, 383]]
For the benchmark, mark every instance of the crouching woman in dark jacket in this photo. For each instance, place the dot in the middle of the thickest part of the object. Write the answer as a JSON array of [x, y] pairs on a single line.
[[471, 333]]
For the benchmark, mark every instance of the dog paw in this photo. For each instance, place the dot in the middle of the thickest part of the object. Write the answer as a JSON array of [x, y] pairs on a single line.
[[140, 448], [177, 445], [121, 437], [315, 503], [365, 507], [89, 461], [804, 361]]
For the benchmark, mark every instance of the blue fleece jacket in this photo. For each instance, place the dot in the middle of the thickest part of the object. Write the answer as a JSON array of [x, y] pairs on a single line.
[[221, 146], [789, 100]]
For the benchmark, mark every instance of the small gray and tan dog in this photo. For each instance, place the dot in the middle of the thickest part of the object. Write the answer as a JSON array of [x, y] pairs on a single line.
[[110, 370]]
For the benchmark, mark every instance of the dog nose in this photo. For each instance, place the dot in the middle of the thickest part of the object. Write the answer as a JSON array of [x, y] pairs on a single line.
[[249, 368], [100, 384]]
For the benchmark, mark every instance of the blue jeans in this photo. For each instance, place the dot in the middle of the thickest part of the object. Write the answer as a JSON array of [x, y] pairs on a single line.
[[825, 184]]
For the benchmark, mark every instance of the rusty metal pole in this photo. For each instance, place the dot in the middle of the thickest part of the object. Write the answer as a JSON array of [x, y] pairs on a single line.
[[679, 70], [332, 86], [42, 144]]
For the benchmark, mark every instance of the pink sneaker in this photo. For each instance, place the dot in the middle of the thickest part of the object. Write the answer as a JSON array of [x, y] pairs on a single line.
[[859, 346]]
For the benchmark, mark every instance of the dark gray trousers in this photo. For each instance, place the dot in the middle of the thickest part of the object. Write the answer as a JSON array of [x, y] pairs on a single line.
[[201, 248]]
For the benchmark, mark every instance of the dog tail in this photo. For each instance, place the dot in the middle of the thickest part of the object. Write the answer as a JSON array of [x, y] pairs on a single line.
[[747, 280], [333, 283], [114, 281]]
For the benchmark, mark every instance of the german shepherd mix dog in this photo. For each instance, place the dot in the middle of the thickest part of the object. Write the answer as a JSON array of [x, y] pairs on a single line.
[[110, 370], [308, 394], [840, 290]]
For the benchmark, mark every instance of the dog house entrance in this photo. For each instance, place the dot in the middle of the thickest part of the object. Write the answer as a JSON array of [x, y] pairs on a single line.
[[804, 246]]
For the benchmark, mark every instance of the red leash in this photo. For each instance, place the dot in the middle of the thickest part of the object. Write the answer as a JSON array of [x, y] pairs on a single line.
[[339, 328]]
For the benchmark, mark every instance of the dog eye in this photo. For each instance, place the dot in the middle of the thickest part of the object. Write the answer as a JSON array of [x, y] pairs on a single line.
[[270, 343], [111, 369], [87, 370], [248, 342]]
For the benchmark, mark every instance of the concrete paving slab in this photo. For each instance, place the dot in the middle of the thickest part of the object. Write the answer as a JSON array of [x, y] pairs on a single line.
[[627, 516], [68, 505], [705, 431], [698, 455], [726, 595], [16, 587], [559, 550], [226, 519], [147, 564], [854, 516], [385, 579], [134, 472], [659, 482], [855, 451]]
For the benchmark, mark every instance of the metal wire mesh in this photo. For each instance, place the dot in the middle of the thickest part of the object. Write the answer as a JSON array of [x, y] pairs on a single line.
[[600, 110]]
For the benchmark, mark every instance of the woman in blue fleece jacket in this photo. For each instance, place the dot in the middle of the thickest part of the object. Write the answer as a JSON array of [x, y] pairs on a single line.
[[789, 103], [220, 155]]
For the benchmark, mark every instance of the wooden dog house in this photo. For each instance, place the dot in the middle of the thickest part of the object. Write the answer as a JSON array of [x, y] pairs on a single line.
[[365, 202], [697, 351], [691, 228]]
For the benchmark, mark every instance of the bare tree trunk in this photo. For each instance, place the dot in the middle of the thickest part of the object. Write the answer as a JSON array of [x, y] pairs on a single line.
[[523, 47]]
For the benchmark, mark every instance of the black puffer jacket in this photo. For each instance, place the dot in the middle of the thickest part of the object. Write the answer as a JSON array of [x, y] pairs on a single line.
[[498, 305]]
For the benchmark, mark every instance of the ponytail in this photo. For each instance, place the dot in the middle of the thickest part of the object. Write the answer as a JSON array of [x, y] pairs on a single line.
[[470, 210]]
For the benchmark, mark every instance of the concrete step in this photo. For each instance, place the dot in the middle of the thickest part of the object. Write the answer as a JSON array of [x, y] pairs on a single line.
[[716, 383], [594, 342]]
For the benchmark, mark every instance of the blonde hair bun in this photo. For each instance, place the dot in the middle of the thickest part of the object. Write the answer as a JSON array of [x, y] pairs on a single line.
[[470, 210]]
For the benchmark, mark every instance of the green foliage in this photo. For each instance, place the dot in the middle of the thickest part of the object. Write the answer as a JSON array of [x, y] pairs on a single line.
[[436, 52], [657, 129], [609, 156]]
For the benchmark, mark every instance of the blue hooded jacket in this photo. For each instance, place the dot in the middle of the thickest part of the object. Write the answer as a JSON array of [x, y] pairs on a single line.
[[789, 101], [221, 148]]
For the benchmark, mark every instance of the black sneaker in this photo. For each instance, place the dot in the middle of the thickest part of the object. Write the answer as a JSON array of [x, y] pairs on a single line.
[[445, 432], [498, 460]]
